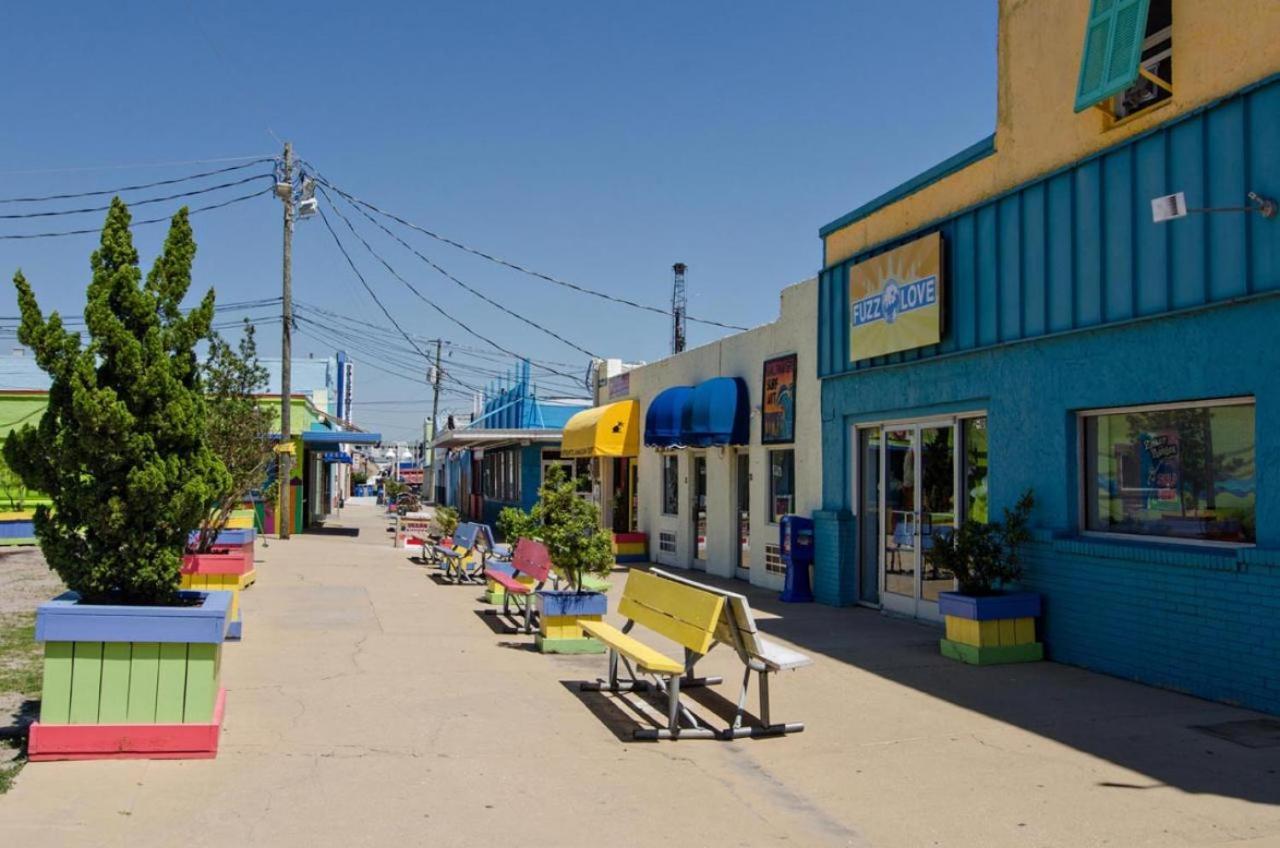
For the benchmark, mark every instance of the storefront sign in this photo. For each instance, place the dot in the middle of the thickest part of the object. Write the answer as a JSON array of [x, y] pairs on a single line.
[[895, 300], [778, 414], [620, 385]]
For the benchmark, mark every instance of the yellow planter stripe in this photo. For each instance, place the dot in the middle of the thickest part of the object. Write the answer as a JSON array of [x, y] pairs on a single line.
[[992, 633]]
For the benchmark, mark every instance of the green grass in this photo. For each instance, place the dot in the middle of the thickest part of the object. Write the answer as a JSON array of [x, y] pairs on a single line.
[[20, 655], [20, 673]]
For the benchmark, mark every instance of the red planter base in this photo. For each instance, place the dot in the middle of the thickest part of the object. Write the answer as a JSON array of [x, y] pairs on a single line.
[[127, 741]]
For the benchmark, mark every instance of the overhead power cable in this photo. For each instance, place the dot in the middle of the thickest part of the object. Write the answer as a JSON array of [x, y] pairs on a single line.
[[138, 187], [505, 310], [366, 285], [414, 289], [517, 267], [127, 166], [210, 207], [192, 193]]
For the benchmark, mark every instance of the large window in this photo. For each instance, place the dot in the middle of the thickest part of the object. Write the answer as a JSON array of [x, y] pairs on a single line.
[[1176, 471], [670, 484], [973, 439], [782, 483]]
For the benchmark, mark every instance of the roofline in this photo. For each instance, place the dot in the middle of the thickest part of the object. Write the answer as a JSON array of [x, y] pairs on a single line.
[[956, 162]]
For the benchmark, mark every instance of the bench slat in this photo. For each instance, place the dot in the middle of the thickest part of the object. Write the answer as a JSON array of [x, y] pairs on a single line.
[[645, 657], [511, 584], [683, 614]]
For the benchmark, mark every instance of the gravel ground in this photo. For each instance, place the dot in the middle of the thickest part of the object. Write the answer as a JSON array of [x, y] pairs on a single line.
[[25, 580]]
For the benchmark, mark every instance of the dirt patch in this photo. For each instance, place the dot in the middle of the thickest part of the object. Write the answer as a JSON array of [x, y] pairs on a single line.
[[25, 580]]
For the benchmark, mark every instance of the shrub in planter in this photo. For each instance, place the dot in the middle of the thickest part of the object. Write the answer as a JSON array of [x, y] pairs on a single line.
[[580, 550], [122, 453], [985, 623]]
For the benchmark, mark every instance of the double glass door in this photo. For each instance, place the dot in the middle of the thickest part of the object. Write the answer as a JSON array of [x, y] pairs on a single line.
[[918, 469]]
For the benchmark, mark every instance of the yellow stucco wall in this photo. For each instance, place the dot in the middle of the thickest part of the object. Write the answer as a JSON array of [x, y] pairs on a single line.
[[1219, 46]]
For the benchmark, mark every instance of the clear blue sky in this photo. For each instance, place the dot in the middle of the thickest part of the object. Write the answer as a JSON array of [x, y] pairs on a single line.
[[596, 141]]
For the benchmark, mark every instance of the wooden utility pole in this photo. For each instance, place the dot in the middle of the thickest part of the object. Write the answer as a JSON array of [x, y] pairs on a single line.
[[285, 512], [435, 414]]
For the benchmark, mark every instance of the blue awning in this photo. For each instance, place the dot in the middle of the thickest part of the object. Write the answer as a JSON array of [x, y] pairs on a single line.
[[318, 438], [717, 413], [662, 422]]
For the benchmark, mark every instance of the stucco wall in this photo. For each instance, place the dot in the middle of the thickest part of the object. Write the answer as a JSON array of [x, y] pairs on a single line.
[[741, 355], [1218, 49]]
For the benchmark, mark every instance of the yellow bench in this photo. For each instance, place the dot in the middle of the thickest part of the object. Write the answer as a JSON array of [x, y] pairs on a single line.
[[687, 616]]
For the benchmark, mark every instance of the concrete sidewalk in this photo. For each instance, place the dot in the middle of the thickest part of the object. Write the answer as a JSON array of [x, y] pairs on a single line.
[[369, 705]]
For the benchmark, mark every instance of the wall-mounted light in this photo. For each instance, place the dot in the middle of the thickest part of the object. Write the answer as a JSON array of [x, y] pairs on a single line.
[[1171, 207]]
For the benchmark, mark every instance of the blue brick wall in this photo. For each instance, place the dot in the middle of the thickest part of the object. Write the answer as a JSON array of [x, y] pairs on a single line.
[[1207, 624], [1201, 620], [834, 574]]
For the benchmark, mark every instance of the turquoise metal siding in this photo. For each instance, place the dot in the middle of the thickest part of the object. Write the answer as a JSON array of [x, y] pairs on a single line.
[[1078, 249]]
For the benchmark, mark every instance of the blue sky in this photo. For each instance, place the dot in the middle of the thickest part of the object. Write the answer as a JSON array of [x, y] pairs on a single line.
[[596, 141]]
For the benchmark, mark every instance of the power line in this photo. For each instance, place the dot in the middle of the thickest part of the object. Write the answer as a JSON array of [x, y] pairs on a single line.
[[366, 285], [414, 289], [552, 333], [516, 267], [138, 187], [192, 193], [171, 164], [161, 219]]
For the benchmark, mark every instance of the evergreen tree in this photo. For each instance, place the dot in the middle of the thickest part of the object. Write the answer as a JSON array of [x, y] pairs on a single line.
[[121, 449]]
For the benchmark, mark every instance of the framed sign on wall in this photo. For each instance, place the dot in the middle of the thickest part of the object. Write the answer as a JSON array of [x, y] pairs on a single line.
[[778, 408]]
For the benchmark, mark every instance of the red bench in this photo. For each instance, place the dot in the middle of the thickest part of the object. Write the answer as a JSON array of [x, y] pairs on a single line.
[[531, 566]]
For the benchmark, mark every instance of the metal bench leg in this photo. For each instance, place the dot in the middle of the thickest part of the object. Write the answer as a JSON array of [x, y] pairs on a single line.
[[766, 727], [690, 681]]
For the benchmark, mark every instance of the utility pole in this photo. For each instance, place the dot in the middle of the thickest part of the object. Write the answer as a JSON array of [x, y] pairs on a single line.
[[285, 190], [435, 413]]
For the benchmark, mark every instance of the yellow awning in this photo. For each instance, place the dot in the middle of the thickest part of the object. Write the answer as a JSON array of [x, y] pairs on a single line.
[[609, 430]]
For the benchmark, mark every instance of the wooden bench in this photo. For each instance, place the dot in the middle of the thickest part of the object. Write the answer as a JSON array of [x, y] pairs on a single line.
[[737, 629], [687, 616], [462, 561], [531, 566], [493, 548]]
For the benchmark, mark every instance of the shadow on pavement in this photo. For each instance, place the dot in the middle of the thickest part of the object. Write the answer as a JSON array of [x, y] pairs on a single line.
[[1151, 731], [333, 531]]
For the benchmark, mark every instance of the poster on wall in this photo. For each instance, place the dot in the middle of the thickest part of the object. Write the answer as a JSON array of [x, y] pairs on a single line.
[[778, 410], [895, 299]]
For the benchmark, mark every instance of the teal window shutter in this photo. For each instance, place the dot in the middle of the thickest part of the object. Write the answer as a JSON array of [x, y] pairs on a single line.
[[1112, 49]]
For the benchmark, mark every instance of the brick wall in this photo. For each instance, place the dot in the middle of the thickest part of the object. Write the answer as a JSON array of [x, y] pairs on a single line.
[[833, 541], [1202, 622]]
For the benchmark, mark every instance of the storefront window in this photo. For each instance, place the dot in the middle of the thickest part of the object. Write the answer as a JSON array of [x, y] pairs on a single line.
[[1184, 472], [583, 475], [782, 483], [974, 440], [670, 484]]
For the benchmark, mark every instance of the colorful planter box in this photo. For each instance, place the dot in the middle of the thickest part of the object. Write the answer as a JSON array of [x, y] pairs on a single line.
[[227, 571], [18, 528], [630, 547], [559, 617], [130, 682], [991, 629]]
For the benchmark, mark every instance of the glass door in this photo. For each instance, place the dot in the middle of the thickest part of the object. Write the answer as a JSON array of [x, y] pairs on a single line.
[[699, 491], [917, 506], [743, 485], [869, 515]]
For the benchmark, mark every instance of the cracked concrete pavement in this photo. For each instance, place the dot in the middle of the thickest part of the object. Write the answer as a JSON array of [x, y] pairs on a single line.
[[370, 705]]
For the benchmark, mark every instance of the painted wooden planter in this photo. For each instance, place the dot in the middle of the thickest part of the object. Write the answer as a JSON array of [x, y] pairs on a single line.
[[222, 569], [559, 614], [991, 629], [130, 682], [18, 528], [630, 547]]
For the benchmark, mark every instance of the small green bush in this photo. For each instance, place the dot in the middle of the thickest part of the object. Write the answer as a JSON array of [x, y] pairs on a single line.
[[981, 554]]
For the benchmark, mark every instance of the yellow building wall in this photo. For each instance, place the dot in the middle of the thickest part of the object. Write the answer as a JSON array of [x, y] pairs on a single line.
[[1219, 46]]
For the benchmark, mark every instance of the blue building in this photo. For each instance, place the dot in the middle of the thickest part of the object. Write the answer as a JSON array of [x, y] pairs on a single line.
[[1018, 318], [500, 458]]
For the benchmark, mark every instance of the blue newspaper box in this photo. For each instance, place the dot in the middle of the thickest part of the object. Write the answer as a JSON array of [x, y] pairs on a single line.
[[796, 543]]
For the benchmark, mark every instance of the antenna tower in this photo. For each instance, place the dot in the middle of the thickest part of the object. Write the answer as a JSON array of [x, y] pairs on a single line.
[[678, 304]]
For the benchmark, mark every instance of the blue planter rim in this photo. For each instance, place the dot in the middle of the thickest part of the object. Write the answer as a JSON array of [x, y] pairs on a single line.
[[65, 619], [569, 602], [989, 607]]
